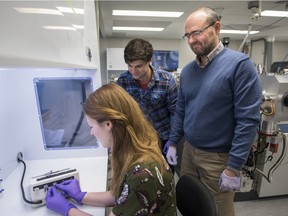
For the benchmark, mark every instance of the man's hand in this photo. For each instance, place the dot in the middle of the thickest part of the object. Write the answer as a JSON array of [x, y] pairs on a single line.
[[171, 155], [166, 147], [229, 181]]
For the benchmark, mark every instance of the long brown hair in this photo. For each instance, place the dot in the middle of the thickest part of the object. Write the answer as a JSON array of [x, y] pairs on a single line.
[[135, 140]]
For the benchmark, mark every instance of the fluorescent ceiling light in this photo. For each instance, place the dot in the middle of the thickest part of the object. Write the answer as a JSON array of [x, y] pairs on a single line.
[[237, 31], [71, 10], [146, 13], [273, 13], [38, 11], [59, 28], [122, 28]]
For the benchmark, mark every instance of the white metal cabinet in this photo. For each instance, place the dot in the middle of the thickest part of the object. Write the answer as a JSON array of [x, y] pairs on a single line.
[[115, 63]]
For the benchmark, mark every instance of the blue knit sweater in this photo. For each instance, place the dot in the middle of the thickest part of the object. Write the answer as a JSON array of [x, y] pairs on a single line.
[[218, 107]]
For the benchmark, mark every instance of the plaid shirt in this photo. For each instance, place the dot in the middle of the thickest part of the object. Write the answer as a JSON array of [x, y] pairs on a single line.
[[219, 48], [158, 102]]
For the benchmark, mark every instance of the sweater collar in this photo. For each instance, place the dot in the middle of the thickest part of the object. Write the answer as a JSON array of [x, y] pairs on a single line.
[[206, 59]]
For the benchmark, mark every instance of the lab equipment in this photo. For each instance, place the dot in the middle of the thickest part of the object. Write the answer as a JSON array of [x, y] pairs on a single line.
[[166, 59], [269, 148], [39, 184]]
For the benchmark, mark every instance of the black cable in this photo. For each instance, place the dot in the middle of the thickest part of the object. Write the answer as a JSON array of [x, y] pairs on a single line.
[[81, 116], [22, 189]]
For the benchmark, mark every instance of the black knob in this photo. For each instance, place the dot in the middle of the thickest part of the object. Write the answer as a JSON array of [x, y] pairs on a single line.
[[285, 99]]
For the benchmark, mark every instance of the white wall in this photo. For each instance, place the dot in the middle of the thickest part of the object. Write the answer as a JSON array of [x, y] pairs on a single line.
[[24, 41], [280, 51], [10, 110], [28, 51]]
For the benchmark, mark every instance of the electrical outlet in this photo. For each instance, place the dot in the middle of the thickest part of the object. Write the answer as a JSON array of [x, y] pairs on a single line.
[[19, 156], [40, 184]]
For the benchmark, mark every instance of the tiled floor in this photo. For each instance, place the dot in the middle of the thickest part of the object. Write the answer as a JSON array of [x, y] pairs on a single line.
[[270, 206], [262, 207]]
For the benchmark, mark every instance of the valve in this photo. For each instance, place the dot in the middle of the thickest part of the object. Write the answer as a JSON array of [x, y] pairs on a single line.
[[285, 99]]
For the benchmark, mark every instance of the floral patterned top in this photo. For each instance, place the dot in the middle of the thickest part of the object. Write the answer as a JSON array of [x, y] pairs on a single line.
[[145, 191]]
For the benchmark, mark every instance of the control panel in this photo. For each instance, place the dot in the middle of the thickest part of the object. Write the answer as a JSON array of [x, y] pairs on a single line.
[[40, 184]]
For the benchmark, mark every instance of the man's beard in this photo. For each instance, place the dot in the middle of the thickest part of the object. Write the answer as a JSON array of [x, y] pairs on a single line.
[[205, 50]]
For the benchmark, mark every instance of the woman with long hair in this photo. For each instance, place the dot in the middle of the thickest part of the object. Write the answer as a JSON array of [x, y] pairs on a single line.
[[142, 182]]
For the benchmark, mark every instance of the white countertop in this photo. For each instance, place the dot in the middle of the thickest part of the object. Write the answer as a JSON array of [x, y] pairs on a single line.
[[92, 173]]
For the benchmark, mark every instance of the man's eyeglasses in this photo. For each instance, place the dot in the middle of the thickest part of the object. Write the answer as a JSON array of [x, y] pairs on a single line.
[[197, 32]]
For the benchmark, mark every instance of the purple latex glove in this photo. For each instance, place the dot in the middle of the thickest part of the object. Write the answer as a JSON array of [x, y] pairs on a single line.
[[57, 203], [171, 155], [229, 183], [166, 147], [72, 189]]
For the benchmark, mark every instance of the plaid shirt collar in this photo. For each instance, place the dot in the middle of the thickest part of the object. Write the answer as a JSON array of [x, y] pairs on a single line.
[[206, 59]]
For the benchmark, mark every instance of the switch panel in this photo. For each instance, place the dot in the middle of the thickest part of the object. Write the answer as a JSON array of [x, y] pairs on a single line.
[[40, 184]]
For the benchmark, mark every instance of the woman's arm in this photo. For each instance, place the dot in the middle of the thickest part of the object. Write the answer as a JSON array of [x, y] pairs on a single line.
[[77, 212], [111, 214], [101, 199]]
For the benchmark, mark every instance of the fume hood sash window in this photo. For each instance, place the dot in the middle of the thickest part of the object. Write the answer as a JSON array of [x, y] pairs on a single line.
[[62, 120]]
